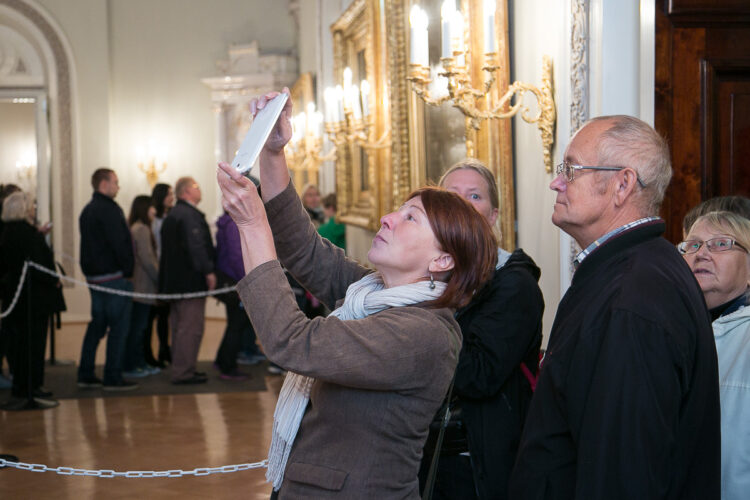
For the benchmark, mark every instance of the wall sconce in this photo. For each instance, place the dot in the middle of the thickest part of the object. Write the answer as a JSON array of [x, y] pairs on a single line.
[[461, 94], [304, 153], [348, 116], [26, 170], [152, 162]]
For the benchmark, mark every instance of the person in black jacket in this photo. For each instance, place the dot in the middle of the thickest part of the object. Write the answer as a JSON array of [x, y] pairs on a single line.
[[186, 265], [21, 241], [502, 329], [106, 260], [627, 402]]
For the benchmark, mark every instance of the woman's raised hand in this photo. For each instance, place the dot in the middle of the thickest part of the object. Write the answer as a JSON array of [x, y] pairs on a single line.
[[240, 197], [282, 131], [241, 201]]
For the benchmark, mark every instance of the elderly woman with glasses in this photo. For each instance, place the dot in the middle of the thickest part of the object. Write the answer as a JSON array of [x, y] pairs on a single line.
[[716, 249]]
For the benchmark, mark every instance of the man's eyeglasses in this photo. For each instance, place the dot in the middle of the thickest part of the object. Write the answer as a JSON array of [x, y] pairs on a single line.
[[713, 245], [569, 170]]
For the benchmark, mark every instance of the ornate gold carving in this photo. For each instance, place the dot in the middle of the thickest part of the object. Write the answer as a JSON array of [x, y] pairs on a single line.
[[462, 95], [362, 152]]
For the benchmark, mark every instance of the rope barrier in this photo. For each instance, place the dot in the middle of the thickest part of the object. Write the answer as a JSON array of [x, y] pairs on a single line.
[[18, 291], [71, 471], [104, 289]]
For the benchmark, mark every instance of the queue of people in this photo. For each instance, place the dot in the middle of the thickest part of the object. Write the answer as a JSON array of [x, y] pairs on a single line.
[[424, 376]]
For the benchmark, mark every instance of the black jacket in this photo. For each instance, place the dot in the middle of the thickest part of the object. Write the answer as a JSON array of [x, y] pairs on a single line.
[[21, 241], [502, 327], [106, 245], [627, 403], [187, 251]]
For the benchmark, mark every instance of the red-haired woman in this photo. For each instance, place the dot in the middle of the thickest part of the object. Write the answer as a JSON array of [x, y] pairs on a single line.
[[364, 382]]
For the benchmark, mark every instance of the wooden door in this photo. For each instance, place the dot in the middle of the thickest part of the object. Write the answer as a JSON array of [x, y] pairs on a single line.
[[702, 102]]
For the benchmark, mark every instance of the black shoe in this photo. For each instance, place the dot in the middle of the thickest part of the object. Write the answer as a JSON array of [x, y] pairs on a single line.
[[89, 382], [191, 381], [41, 392], [120, 385], [45, 403], [200, 374]]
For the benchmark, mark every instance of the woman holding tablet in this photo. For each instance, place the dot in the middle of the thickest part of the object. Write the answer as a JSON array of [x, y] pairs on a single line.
[[364, 382]]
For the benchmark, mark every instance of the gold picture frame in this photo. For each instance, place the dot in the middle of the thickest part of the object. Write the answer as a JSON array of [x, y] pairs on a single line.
[[492, 142], [362, 172], [302, 93]]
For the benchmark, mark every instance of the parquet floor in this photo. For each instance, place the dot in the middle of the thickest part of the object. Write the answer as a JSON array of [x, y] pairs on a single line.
[[141, 433]]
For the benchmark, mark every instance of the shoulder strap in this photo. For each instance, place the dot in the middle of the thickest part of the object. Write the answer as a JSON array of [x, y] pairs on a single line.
[[427, 493]]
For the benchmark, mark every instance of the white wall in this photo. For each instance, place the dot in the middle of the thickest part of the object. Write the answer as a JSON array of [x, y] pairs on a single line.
[[137, 66], [538, 28]]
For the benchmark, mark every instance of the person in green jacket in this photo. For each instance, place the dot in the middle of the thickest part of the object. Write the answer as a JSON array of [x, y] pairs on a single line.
[[332, 231]]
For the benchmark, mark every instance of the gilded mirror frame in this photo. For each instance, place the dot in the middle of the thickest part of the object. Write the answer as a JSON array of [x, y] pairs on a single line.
[[362, 174], [493, 141], [302, 93]]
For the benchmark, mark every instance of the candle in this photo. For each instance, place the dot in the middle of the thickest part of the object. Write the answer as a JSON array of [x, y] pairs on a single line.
[[457, 30], [347, 80], [489, 26], [329, 99], [446, 15], [340, 103], [419, 53], [354, 103], [364, 90]]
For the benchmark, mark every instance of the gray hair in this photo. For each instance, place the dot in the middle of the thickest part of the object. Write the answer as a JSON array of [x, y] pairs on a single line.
[[17, 206], [633, 143]]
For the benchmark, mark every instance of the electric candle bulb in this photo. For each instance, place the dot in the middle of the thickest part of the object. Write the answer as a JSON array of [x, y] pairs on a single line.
[[489, 26], [419, 53], [364, 90], [446, 15]]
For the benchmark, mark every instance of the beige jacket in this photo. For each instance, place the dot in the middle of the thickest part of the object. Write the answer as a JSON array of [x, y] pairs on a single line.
[[379, 380], [146, 269]]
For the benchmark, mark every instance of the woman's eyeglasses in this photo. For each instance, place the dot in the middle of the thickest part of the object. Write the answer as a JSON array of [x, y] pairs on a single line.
[[569, 171], [713, 245]]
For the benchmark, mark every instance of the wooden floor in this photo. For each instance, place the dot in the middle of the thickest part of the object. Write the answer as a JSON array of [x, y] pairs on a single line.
[[141, 433]]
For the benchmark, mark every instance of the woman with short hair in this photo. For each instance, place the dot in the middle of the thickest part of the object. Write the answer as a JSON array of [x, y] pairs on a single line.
[[716, 249], [21, 241], [365, 381]]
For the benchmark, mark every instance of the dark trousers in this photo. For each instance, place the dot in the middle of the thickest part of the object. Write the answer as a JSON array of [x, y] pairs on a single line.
[[160, 313], [454, 479], [238, 328], [134, 344], [110, 315], [29, 344], [186, 318]]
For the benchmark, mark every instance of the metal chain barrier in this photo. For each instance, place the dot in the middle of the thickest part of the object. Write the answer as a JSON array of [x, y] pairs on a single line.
[[70, 471], [161, 296], [18, 291]]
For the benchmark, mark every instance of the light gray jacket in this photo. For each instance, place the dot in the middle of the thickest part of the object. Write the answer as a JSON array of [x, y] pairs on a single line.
[[146, 270]]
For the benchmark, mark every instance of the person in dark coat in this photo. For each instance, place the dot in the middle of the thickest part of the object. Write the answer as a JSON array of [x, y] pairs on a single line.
[[106, 260], [186, 265], [230, 270], [21, 241], [627, 402], [502, 329]]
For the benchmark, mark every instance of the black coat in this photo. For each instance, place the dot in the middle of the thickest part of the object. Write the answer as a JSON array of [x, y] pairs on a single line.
[[187, 251], [106, 244], [627, 403], [21, 241], [502, 327]]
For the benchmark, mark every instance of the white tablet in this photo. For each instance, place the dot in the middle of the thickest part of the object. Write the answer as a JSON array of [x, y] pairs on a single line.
[[259, 131]]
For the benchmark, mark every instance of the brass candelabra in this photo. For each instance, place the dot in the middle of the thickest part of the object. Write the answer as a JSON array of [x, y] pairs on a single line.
[[477, 105], [152, 171]]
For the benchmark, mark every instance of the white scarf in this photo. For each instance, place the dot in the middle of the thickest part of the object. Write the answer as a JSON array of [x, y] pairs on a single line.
[[364, 297]]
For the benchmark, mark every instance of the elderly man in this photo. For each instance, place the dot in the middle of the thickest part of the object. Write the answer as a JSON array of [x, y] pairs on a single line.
[[627, 402], [187, 265], [106, 260]]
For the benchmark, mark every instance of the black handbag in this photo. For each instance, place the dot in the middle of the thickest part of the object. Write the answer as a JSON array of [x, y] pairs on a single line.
[[444, 422]]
